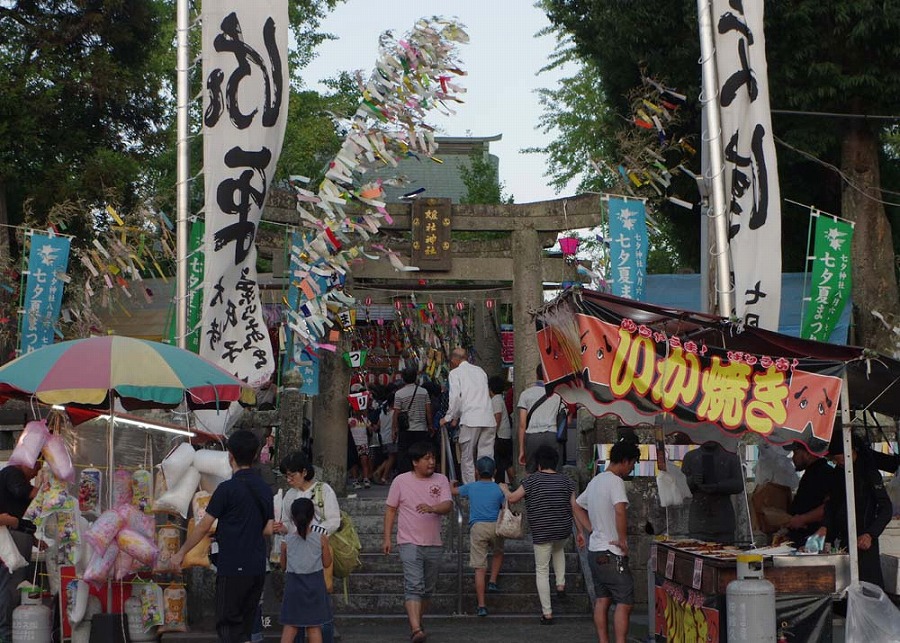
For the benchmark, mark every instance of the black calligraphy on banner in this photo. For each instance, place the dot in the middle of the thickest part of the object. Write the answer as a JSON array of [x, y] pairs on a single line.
[[751, 181], [231, 40], [245, 107]]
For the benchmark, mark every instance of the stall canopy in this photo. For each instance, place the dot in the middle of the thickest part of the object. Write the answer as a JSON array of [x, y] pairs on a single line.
[[706, 376]]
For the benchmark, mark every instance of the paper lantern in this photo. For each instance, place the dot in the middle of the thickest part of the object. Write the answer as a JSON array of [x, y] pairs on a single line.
[[569, 245]]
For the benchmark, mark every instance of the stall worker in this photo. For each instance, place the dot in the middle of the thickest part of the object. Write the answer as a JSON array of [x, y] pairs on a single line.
[[873, 507], [807, 509], [713, 475], [16, 493]]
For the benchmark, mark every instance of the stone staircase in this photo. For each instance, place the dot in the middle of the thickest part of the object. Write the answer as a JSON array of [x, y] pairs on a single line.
[[377, 588]]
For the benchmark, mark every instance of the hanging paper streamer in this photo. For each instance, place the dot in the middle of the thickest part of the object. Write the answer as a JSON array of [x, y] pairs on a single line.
[[627, 247], [48, 258], [830, 282], [412, 76]]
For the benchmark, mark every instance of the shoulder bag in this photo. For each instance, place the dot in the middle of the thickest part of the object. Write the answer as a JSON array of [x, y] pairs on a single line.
[[403, 416]]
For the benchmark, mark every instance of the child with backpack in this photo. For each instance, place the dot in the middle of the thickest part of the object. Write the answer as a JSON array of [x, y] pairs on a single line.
[[303, 557]]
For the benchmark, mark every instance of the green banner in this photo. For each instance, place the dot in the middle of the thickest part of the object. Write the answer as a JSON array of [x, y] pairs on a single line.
[[830, 283], [195, 264], [195, 285]]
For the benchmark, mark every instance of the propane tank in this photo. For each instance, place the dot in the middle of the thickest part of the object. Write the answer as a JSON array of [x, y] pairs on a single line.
[[750, 603], [136, 631], [31, 619]]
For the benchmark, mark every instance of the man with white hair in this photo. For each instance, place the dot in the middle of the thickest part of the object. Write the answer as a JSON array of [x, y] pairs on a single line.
[[470, 403]]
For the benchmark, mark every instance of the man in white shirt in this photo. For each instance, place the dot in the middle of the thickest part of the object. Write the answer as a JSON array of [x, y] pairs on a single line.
[[470, 403], [601, 509], [537, 420]]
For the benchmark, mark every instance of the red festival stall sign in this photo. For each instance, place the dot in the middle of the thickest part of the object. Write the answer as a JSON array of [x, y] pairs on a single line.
[[642, 363]]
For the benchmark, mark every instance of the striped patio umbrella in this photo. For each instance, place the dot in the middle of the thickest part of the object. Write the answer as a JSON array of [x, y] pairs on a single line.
[[140, 373]]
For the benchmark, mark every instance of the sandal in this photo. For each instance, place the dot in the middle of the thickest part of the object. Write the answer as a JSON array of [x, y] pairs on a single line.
[[418, 636], [546, 620]]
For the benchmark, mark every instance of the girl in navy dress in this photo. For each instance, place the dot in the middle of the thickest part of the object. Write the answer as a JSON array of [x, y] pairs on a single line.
[[303, 557]]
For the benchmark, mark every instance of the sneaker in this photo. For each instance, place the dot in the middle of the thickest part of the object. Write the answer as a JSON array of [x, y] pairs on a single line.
[[356, 484], [493, 588], [482, 611], [367, 484]]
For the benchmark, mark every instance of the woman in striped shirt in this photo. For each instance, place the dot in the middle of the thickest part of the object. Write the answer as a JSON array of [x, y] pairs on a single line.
[[549, 497]]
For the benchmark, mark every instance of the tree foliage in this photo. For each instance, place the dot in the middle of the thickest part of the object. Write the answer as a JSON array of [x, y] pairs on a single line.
[[482, 181], [823, 56]]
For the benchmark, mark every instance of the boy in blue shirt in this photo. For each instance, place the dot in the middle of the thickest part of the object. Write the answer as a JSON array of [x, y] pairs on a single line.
[[485, 500]]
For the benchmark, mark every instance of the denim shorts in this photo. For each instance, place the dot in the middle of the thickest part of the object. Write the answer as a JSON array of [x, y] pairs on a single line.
[[421, 564], [609, 582]]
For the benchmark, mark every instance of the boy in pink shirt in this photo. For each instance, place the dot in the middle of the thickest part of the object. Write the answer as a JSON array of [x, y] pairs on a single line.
[[420, 497]]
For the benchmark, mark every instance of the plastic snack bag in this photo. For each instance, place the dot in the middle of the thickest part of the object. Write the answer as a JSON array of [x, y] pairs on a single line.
[[104, 530], [57, 456], [9, 552], [178, 498], [199, 503], [152, 606], [137, 546], [28, 448], [77, 593], [177, 463], [175, 614], [199, 555], [124, 565], [168, 541], [142, 489], [101, 565], [214, 463], [68, 536], [89, 491], [122, 493], [136, 520]]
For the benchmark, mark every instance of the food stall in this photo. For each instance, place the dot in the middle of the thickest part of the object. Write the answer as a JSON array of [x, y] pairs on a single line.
[[690, 578], [716, 380]]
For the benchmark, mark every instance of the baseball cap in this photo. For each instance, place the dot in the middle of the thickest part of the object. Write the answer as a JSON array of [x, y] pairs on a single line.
[[485, 466]]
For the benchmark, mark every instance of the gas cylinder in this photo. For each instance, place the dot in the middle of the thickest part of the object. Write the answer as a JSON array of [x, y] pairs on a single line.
[[750, 603], [31, 619], [136, 631]]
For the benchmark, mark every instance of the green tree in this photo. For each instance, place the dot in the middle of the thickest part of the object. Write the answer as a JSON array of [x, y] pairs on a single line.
[[823, 56], [482, 181]]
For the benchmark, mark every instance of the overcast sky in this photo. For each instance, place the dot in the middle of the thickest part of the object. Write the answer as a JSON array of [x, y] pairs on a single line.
[[502, 59]]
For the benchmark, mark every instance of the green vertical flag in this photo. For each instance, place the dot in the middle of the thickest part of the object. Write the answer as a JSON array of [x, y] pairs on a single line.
[[830, 283], [195, 285]]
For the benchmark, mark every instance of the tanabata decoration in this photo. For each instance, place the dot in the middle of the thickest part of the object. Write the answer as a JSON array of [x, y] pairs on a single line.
[[412, 76]]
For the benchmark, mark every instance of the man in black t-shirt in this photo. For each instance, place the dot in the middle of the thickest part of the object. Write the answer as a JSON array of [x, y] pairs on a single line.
[[808, 506], [243, 506], [16, 493]]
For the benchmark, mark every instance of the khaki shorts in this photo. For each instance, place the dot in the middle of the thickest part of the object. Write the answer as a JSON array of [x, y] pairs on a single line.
[[481, 538]]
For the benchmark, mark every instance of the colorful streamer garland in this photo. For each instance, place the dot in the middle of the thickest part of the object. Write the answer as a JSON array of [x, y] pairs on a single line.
[[412, 76]]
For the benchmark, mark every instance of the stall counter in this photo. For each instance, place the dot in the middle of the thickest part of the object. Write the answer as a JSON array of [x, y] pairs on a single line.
[[690, 580]]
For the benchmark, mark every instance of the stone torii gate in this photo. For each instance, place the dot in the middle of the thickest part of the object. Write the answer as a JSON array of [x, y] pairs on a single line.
[[530, 227]]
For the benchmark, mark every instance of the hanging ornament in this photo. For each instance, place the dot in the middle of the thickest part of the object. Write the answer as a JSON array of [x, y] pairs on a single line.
[[460, 304], [368, 301], [355, 359], [430, 306], [569, 247], [489, 304]]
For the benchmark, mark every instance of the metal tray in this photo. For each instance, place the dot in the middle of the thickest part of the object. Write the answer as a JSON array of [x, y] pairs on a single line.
[[840, 562]]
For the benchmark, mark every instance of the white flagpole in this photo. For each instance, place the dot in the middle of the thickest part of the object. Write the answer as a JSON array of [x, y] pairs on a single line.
[[849, 483], [183, 167], [717, 213]]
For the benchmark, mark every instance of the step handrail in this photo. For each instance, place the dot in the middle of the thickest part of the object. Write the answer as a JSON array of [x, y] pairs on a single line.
[[459, 554]]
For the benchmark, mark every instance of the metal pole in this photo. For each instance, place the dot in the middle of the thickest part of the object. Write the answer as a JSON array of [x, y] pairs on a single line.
[[718, 215], [183, 167], [848, 484]]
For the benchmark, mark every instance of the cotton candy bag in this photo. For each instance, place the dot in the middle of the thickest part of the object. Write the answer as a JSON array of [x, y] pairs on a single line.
[[56, 453], [28, 448]]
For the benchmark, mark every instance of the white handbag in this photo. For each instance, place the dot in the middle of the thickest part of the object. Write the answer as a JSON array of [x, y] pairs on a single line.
[[509, 523]]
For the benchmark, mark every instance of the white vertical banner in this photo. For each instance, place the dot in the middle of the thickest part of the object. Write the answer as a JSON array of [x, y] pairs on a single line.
[[751, 170], [245, 104]]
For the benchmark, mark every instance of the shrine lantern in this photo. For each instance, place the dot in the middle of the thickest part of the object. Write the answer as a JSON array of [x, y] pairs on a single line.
[[569, 247]]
